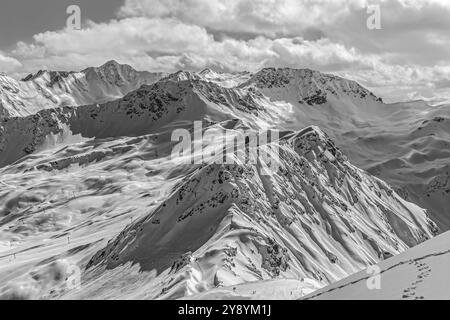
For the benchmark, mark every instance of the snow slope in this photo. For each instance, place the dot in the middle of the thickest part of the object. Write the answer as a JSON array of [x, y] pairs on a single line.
[[419, 273]]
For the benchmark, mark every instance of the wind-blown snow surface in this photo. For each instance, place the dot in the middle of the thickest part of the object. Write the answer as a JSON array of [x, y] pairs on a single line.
[[95, 185], [419, 273], [51, 89]]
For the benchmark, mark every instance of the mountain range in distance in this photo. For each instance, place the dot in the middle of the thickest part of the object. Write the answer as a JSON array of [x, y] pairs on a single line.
[[87, 178]]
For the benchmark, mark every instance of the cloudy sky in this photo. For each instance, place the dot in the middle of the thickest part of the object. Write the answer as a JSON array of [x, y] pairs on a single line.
[[408, 58]]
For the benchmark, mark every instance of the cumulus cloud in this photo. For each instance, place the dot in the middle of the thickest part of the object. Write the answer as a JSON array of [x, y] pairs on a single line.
[[170, 44], [271, 18]]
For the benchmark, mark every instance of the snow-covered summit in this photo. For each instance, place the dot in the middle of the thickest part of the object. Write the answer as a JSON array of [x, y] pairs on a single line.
[[120, 75], [312, 87]]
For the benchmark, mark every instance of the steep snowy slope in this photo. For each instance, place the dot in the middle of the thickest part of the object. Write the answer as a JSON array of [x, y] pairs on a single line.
[[406, 144], [50, 89], [419, 273]]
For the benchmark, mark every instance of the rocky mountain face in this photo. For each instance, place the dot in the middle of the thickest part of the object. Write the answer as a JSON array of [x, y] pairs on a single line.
[[97, 184]]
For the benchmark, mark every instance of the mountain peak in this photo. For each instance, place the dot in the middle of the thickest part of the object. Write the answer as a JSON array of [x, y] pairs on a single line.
[[109, 66], [311, 87], [110, 63]]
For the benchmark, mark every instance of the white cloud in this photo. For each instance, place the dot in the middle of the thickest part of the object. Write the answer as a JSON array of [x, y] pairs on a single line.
[[169, 44], [264, 17]]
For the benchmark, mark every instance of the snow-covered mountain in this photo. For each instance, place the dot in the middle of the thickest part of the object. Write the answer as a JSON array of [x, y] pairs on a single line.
[[307, 86], [318, 218], [96, 185], [406, 144], [50, 89]]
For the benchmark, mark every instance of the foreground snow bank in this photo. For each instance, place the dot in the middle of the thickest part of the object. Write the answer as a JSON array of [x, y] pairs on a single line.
[[419, 273]]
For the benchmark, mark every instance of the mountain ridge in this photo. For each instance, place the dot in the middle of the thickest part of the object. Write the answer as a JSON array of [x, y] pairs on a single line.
[[181, 229], [49, 89]]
